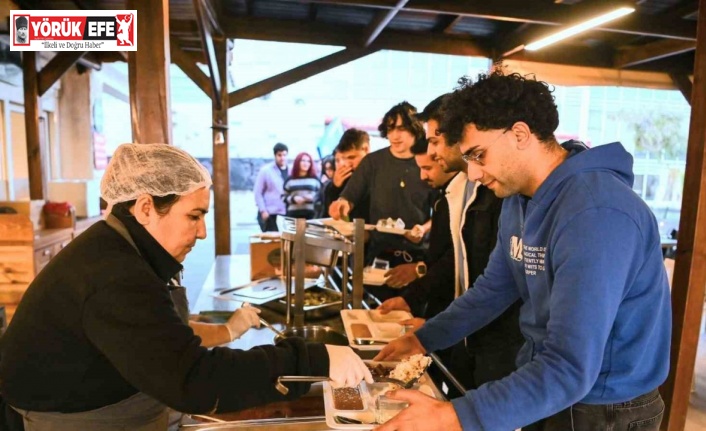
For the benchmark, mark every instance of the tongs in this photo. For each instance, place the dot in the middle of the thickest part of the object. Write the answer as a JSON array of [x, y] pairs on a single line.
[[309, 379], [266, 323], [272, 328]]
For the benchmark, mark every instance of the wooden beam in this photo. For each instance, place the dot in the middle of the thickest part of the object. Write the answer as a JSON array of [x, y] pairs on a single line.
[[690, 267], [183, 28], [221, 159], [634, 55], [190, 69], [187, 44], [56, 67], [295, 75], [209, 11], [326, 34], [148, 70], [36, 153], [682, 10], [540, 13], [90, 60], [206, 31], [515, 42], [379, 23], [313, 11], [683, 83], [447, 24], [569, 55]]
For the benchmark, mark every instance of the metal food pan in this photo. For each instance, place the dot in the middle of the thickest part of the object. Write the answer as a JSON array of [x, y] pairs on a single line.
[[314, 312], [319, 256]]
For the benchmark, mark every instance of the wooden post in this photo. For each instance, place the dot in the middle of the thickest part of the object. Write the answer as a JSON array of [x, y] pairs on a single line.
[[690, 267], [148, 70], [221, 160], [36, 153], [683, 84]]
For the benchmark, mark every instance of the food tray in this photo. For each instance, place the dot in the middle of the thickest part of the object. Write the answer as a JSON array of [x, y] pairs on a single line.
[[424, 385], [394, 231], [260, 291], [382, 330], [345, 228], [327, 309], [374, 276], [365, 415]]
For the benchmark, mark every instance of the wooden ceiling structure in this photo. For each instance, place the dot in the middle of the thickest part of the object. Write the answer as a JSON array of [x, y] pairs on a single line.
[[661, 36]]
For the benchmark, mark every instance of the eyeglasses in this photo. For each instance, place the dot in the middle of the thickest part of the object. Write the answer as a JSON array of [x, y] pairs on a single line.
[[477, 156]]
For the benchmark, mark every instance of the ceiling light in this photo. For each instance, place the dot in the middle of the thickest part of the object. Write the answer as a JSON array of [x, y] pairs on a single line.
[[579, 28]]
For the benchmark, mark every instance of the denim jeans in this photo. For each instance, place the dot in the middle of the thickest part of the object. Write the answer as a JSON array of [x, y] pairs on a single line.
[[643, 413]]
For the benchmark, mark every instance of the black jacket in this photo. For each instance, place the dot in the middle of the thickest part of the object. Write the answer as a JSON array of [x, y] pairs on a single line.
[[98, 324], [431, 294]]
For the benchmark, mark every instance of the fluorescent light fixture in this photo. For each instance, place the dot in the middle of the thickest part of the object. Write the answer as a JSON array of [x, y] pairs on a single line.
[[579, 28]]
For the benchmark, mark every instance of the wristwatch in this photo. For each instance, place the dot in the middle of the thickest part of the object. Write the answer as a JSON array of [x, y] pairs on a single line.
[[421, 269]]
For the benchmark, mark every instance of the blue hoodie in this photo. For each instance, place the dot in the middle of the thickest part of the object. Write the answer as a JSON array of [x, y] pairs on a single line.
[[584, 255]]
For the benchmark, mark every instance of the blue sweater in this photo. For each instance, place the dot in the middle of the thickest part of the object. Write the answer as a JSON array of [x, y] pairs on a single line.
[[584, 255]]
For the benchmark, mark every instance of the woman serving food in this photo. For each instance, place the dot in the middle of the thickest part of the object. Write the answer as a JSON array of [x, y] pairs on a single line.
[[101, 340]]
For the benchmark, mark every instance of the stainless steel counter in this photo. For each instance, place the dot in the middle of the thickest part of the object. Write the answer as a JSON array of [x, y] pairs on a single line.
[[304, 414]]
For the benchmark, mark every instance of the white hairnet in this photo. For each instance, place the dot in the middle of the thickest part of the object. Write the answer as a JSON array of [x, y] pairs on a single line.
[[153, 169]]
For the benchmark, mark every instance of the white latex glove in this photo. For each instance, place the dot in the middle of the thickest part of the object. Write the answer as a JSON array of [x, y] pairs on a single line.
[[345, 367], [242, 319]]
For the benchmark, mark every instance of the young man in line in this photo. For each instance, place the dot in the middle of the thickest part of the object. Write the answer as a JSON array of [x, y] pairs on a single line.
[[269, 189], [390, 180], [350, 151], [582, 251], [430, 271]]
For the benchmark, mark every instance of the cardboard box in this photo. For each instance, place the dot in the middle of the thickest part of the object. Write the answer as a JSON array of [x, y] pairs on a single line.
[[265, 255], [31, 209]]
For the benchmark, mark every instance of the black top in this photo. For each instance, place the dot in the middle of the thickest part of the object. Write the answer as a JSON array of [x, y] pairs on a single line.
[[436, 288], [284, 172], [98, 324], [394, 189], [331, 193], [431, 294]]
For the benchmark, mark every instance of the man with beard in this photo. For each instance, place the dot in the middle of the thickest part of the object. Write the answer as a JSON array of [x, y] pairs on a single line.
[[424, 275], [474, 211]]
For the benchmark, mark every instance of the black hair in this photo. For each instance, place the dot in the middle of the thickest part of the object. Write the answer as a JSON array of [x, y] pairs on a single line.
[[352, 139], [497, 101], [420, 146], [407, 112], [162, 204], [279, 147], [330, 160], [433, 110]]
